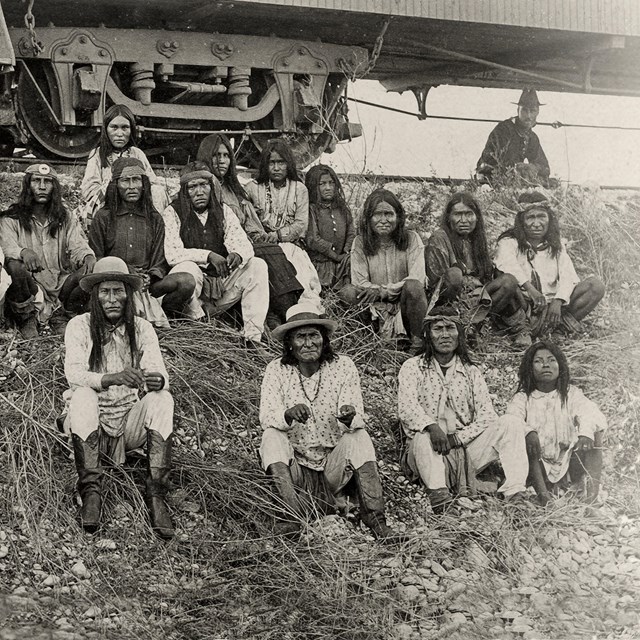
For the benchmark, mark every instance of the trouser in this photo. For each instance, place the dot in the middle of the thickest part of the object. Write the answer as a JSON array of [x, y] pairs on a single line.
[[154, 411], [306, 273], [249, 284], [352, 451], [500, 441]]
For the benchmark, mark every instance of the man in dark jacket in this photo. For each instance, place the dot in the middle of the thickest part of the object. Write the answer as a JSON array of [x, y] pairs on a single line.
[[512, 142]]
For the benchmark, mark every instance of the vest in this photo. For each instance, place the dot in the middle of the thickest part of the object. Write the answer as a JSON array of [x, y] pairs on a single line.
[[196, 236]]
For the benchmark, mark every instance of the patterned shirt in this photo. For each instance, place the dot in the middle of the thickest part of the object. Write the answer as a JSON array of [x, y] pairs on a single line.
[[456, 399], [116, 401], [235, 239], [335, 384]]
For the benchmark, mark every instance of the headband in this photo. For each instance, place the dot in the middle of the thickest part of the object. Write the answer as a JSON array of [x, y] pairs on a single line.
[[130, 172], [430, 319], [194, 175], [42, 170]]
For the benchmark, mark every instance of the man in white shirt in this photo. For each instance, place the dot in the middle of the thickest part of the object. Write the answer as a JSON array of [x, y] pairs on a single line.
[[106, 416], [205, 238]]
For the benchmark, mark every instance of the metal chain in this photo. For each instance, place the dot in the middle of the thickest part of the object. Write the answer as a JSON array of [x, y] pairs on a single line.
[[30, 23], [353, 73]]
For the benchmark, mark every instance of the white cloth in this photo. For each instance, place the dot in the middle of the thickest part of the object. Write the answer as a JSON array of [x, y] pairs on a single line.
[[501, 440], [306, 274], [558, 277], [248, 283], [335, 384], [116, 401], [558, 426]]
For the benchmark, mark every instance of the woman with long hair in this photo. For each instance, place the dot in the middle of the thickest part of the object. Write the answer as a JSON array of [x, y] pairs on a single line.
[[281, 202], [117, 140], [331, 230], [533, 251], [388, 270], [563, 427], [458, 258]]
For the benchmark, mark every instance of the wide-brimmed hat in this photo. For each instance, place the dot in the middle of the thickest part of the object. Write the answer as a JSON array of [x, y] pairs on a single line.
[[529, 98], [302, 315], [110, 268]]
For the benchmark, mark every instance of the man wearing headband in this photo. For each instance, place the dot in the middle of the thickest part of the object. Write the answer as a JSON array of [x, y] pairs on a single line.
[[452, 429], [130, 228], [534, 253], [204, 238], [512, 142], [315, 436], [107, 377], [46, 255]]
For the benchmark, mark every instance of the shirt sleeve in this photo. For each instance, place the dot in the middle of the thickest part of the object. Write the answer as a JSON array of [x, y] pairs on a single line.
[[507, 260], [351, 393], [351, 230], [567, 276], [298, 228], [9, 229], [157, 261], [235, 238], [437, 256], [92, 182], [151, 359], [485, 414], [489, 159], [410, 411], [587, 417], [174, 249], [76, 242], [535, 155], [315, 241], [77, 343], [272, 401], [98, 234], [360, 266], [252, 225], [415, 258]]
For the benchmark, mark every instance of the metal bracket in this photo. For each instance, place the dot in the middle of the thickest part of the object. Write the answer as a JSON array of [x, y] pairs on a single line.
[[421, 94]]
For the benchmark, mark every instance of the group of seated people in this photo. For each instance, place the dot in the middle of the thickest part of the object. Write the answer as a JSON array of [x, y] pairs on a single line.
[[134, 258]]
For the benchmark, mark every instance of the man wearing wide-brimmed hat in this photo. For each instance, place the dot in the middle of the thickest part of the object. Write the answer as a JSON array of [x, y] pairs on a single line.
[[112, 356], [512, 142], [46, 254], [452, 429], [315, 437]]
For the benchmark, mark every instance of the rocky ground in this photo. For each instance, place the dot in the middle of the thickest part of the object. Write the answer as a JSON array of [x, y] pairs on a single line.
[[568, 571]]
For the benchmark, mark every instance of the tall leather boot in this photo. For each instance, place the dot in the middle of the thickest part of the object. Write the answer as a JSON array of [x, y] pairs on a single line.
[[157, 484], [24, 314], [287, 523], [518, 328], [87, 457], [372, 503]]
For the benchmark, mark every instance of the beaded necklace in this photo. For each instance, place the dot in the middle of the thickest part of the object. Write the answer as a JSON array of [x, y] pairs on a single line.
[[306, 395]]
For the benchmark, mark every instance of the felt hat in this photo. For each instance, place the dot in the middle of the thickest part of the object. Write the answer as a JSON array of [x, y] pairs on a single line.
[[529, 98], [42, 169], [301, 315], [110, 268], [127, 167]]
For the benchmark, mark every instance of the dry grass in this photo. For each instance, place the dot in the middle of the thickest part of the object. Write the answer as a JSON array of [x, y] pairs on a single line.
[[225, 576]]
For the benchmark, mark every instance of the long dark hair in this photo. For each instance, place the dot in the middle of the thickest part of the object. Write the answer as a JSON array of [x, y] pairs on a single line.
[[478, 236], [99, 325], [182, 202], [104, 146], [552, 238], [526, 381], [370, 239], [21, 210], [312, 181], [429, 351], [326, 355], [208, 147], [284, 151], [113, 201]]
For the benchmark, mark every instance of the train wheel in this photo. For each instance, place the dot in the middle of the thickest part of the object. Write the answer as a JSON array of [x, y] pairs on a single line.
[[37, 100]]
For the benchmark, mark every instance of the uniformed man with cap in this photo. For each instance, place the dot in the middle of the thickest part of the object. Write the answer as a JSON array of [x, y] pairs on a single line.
[[513, 142], [46, 254]]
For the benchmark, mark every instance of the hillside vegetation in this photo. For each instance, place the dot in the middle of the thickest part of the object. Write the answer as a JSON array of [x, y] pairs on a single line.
[[567, 571]]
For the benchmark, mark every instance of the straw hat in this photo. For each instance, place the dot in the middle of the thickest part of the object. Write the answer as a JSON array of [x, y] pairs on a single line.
[[302, 315], [110, 268]]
